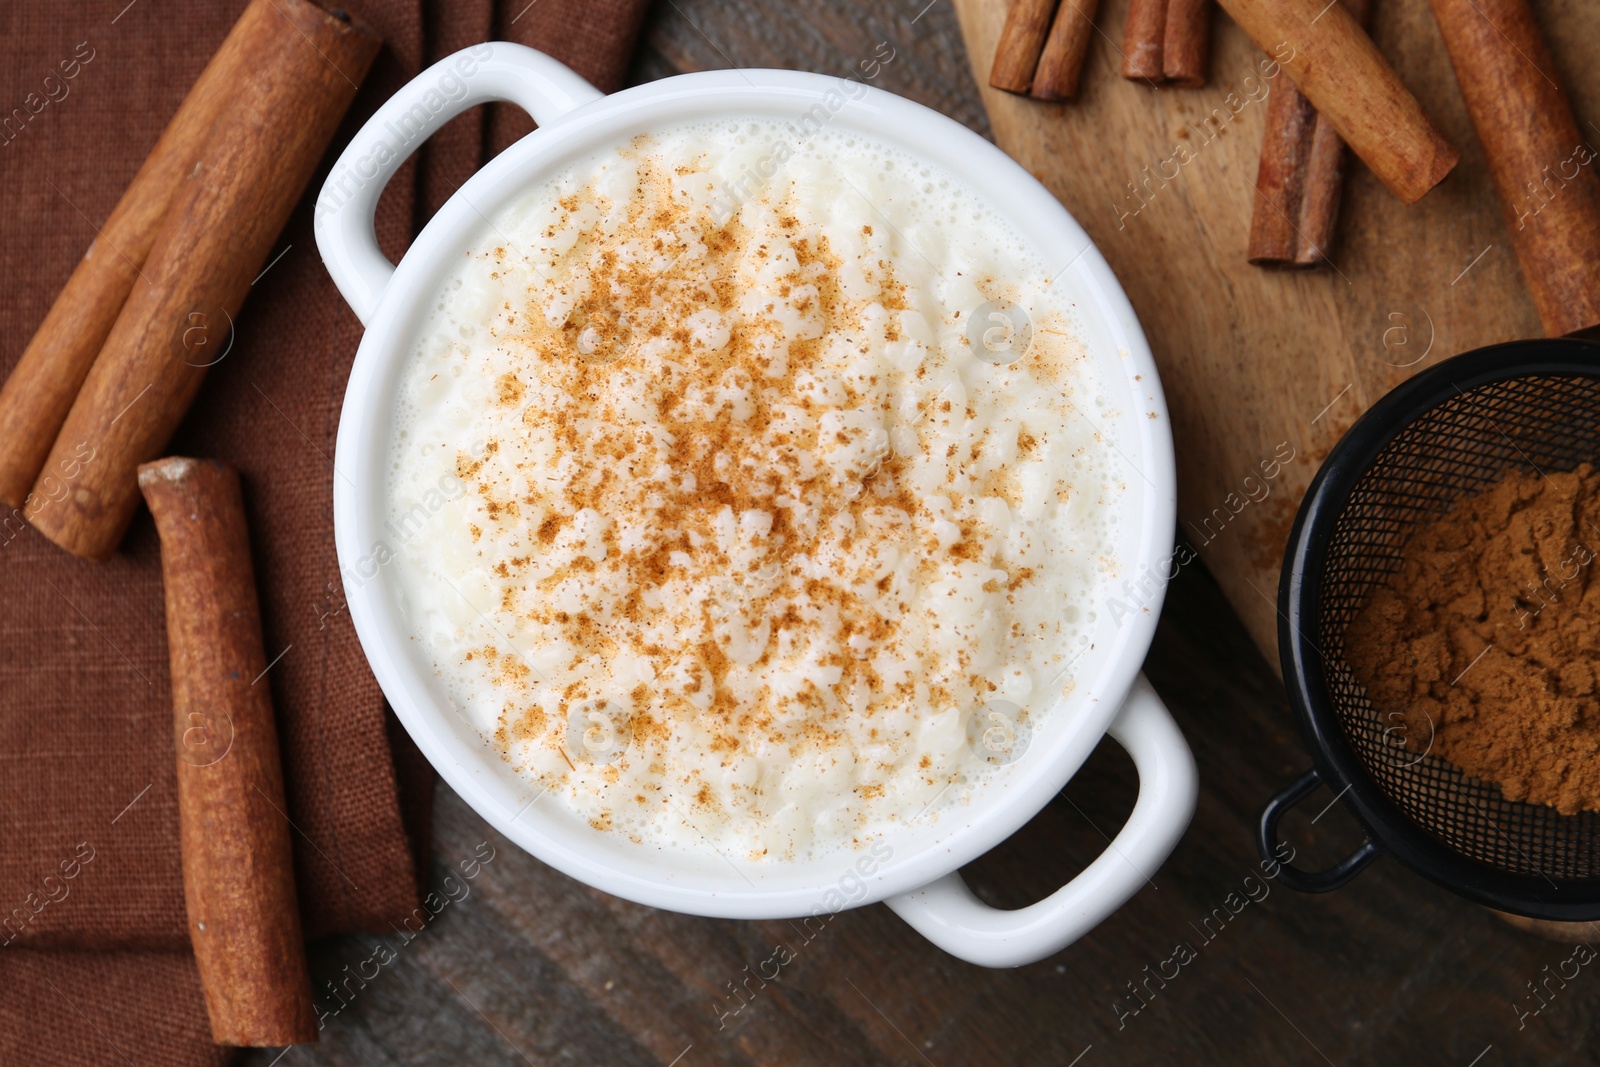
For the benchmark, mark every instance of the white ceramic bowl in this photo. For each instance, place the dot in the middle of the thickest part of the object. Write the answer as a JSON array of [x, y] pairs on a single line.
[[913, 869]]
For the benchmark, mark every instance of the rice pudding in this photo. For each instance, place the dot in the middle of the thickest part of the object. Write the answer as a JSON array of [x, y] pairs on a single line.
[[735, 502]]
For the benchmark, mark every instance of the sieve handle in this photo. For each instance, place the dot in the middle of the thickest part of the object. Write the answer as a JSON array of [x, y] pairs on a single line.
[[346, 207], [1267, 842], [950, 915]]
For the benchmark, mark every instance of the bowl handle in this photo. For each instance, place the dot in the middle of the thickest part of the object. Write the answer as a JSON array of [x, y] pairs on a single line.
[[947, 912], [541, 86]]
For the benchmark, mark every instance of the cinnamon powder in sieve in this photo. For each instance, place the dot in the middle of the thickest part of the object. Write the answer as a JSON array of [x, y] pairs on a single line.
[[1483, 648]]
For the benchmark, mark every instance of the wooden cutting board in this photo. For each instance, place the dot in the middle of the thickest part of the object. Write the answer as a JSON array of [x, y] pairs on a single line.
[[1260, 365]]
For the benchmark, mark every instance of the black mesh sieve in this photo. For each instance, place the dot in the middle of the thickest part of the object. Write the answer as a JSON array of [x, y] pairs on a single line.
[[1451, 431]]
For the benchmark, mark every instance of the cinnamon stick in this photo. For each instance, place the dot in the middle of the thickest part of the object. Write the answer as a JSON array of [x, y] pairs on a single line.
[[1299, 178], [1541, 164], [1167, 42], [215, 239], [45, 381], [1186, 43], [238, 868], [1281, 177], [1335, 64], [1021, 42], [1142, 38], [1061, 62], [1319, 197]]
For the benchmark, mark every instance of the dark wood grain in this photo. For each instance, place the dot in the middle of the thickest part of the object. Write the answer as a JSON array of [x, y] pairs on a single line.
[[532, 967]]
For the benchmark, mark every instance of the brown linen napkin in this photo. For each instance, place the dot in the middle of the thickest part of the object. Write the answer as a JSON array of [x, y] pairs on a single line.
[[93, 947]]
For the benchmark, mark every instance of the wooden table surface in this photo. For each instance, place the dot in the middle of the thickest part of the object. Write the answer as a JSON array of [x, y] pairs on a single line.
[[528, 966]]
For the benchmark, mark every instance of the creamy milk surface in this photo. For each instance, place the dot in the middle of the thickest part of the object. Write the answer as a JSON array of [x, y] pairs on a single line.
[[717, 514]]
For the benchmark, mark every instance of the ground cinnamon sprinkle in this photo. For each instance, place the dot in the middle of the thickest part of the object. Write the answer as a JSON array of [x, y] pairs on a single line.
[[1487, 641]]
